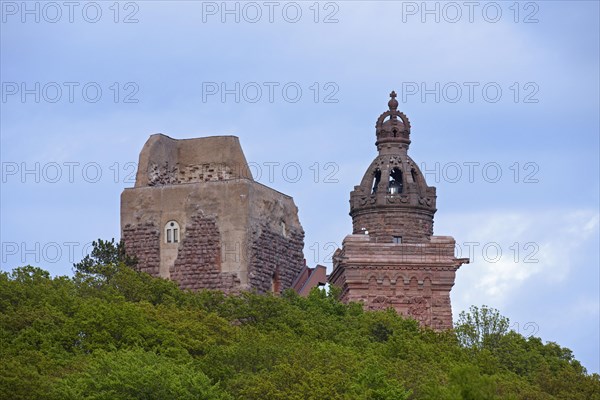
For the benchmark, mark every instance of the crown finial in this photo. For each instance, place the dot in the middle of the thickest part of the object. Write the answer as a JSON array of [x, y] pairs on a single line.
[[393, 103]]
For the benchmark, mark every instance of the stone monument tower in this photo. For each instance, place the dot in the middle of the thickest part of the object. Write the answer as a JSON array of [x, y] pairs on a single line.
[[392, 258]]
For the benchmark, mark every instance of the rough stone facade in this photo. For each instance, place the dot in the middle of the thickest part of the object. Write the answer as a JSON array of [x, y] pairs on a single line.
[[270, 253], [198, 258], [143, 241], [392, 258], [197, 217]]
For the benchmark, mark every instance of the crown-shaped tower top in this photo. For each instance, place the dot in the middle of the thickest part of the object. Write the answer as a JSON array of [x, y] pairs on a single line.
[[392, 129]]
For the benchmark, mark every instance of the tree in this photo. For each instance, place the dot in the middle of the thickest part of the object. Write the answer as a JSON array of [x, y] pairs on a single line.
[[134, 336], [137, 374], [104, 257], [481, 327]]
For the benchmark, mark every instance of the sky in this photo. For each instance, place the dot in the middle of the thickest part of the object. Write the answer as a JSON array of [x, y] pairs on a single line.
[[503, 99]]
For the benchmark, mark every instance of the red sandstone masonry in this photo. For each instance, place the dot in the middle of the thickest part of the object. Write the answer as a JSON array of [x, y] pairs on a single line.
[[275, 261], [198, 263], [143, 242]]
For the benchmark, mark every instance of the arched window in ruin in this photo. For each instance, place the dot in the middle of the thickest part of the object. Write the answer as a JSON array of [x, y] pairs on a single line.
[[172, 231], [395, 183], [376, 179], [413, 173]]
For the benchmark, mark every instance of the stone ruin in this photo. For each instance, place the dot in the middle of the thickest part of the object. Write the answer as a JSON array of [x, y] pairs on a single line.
[[196, 216]]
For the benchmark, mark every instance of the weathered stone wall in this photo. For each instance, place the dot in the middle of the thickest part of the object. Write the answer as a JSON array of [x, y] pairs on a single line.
[[411, 293], [166, 174], [415, 279], [275, 259], [167, 161], [198, 263], [383, 224], [143, 241]]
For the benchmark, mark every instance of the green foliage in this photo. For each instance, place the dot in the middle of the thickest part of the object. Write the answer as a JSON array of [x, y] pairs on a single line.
[[104, 257], [131, 374], [113, 333], [481, 327]]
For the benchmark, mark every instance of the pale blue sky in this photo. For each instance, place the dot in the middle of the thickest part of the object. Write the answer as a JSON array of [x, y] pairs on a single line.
[[541, 133]]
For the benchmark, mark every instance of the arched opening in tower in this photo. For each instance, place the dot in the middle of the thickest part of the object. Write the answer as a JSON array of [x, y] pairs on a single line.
[[395, 183], [376, 179]]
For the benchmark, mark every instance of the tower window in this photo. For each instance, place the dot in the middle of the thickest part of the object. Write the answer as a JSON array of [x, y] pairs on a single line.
[[397, 239], [172, 232], [413, 173], [376, 179], [395, 183]]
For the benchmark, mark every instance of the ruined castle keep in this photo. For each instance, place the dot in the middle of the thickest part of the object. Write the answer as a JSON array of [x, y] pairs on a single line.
[[392, 259], [197, 217]]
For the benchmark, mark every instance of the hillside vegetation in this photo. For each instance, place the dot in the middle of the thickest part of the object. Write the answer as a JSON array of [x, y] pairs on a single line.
[[109, 332]]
